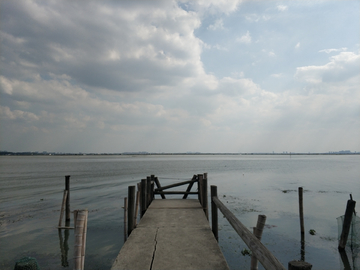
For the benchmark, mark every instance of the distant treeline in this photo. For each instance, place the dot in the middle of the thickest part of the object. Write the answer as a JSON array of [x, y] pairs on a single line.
[[7, 153]]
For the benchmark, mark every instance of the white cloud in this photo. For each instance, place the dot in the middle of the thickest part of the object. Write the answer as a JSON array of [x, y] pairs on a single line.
[[245, 38], [282, 7], [333, 50], [341, 67], [297, 46], [218, 25]]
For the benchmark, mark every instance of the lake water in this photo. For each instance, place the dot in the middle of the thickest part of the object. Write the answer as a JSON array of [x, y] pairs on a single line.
[[32, 190]]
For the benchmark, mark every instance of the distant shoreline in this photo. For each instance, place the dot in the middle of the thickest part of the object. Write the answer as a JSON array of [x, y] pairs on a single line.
[[6, 153]]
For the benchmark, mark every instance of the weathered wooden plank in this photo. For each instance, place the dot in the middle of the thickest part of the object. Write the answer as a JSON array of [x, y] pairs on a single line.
[[265, 257]]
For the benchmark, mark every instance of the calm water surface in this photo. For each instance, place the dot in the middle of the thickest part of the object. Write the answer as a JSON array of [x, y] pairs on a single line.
[[32, 188]]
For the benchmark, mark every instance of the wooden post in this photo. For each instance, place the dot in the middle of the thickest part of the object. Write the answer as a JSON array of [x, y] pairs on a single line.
[[190, 186], [299, 265], [350, 207], [148, 192], [137, 204], [80, 238], [205, 198], [214, 213], [67, 187], [125, 218], [159, 186], [302, 227], [258, 233], [62, 207], [131, 208], [143, 202], [200, 181]]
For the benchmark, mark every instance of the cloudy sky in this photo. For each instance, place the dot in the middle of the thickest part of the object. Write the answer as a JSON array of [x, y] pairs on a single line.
[[177, 76]]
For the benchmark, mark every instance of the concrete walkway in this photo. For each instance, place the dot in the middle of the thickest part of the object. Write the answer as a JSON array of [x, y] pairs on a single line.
[[173, 234]]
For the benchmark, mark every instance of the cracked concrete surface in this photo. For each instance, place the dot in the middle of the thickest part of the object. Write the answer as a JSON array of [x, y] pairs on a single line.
[[173, 234]]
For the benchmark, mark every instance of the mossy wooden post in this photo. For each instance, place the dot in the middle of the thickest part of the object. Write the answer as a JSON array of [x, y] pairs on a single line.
[[347, 223], [299, 265], [302, 227], [131, 208], [67, 188], [205, 198], [258, 233], [143, 202], [214, 213]]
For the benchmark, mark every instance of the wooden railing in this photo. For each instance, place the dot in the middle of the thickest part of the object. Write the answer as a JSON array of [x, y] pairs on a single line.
[[147, 191]]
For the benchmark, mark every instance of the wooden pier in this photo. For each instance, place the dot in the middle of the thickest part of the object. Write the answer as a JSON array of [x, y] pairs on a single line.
[[173, 234]]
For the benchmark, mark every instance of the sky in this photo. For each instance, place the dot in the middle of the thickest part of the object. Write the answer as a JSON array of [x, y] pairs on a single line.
[[180, 76]]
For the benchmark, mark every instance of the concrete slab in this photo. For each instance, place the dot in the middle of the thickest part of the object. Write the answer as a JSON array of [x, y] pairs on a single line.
[[137, 252], [187, 248], [162, 217], [175, 203], [173, 234]]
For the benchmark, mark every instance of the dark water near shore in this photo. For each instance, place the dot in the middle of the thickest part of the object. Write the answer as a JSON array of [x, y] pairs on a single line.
[[32, 187]]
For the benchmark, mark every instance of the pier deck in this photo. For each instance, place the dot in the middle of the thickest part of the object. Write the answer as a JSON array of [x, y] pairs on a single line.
[[172, 234]]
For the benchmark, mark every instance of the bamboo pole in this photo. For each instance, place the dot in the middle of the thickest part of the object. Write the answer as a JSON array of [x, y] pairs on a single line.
[[84, 241], [214, 213], [80, 238], [258, 233], [62, 207], [67, 187], [131, 208], [125, 219]]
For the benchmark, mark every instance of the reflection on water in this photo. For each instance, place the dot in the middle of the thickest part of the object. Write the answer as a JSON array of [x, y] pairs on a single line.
[[64, 247]]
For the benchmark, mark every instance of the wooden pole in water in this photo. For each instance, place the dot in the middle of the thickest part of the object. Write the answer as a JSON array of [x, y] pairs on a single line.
[[214, 213], [131, 208], [143, 203], [350, 207], [125, 219], [62, 207], [302, 227], [258, 233], [67, 187]]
